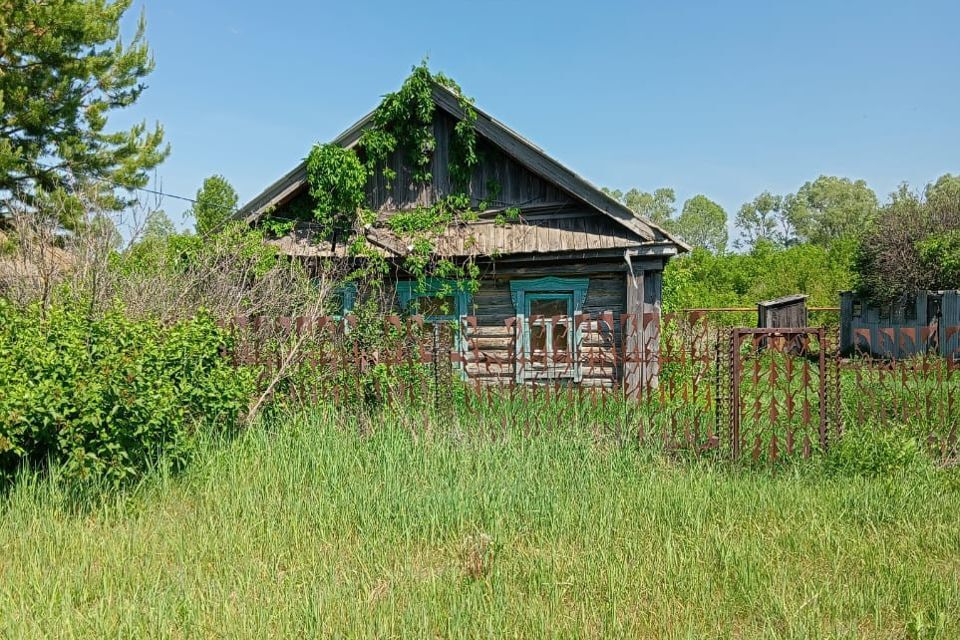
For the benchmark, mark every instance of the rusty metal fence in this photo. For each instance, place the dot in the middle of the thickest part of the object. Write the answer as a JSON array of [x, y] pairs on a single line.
[[682, 381]]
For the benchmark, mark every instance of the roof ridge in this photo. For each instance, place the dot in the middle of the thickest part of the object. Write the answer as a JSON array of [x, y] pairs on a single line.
[[512, 143]]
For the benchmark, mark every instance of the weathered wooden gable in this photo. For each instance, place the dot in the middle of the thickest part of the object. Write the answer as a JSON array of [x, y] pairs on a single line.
[[498, 180], [561, 212]]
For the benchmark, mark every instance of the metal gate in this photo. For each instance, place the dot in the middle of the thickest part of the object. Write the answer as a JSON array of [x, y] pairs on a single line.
[[783, 393]]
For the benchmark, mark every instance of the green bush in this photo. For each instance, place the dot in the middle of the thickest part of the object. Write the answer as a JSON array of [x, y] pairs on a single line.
[[872, 450], [702, 279], [108, 397]]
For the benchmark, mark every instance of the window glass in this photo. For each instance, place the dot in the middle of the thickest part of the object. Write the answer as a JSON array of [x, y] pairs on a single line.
[[538, 337], [560, 334], [432, 306], [548, 308], [341, 300], [549, 329]]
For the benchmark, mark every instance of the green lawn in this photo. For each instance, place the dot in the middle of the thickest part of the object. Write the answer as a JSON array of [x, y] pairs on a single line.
[[308, 530]]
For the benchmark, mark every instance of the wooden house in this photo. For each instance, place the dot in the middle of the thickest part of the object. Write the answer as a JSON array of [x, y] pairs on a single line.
[[556, 283]]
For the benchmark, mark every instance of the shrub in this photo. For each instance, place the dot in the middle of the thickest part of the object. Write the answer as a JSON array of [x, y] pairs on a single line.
[[110, 396], [873, 450]]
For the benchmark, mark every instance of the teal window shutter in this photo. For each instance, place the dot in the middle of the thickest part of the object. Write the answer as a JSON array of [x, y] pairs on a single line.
[[347, 293]]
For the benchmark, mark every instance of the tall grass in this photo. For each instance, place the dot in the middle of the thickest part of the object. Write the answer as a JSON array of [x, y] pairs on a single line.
[[329, 525]]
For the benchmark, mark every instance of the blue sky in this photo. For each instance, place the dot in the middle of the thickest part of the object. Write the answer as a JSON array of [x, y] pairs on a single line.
[[721, 98]]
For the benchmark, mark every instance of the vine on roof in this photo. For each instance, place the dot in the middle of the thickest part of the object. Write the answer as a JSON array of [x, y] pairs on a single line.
[[402, 122]]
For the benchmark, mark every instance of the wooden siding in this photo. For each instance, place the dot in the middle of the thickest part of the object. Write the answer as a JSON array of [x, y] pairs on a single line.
[[540, 234], [497, 178], [490, 352], [507, 159], [552, 220], [785, 312]]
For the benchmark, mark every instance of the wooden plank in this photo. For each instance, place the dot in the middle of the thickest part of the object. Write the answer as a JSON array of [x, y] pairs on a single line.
[[490, 344], [653, 290], [633, 340], [489, 331], [537, 161], [597, 383], [476, 370], [575, 260], [603, 373]]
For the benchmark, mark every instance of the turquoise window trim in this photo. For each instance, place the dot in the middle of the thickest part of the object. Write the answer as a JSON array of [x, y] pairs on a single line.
[[550, 284], [523, 290], [532, 296], [410, 290], [348, 298]]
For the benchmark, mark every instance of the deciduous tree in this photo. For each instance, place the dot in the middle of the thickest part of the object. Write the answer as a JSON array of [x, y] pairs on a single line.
[[216, 201], [831, 208], [703, 223], [915, 244], [659, 207], [158, 226], [764, 219]]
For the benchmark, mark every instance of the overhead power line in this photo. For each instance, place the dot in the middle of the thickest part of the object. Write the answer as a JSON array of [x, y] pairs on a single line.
[[154, 192]]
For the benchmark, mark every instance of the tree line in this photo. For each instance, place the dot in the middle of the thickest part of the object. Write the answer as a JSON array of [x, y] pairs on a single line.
[[834, 233]]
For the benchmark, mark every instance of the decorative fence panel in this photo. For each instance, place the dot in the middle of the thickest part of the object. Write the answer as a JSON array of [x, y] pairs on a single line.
[[700, 387], [784, 385]]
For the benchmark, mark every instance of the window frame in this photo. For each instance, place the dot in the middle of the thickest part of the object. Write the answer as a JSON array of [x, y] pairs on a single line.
[[522, 290], [410, 290], [550, 369], [348, 298]]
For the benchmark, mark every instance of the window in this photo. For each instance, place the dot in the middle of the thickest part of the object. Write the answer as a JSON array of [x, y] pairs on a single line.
[[546, 311], [434, 307], [436, 300], [549, 343], [343, 299], [857, 308]]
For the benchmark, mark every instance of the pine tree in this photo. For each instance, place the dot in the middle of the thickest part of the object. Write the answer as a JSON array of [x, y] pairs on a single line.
[[63, 70]]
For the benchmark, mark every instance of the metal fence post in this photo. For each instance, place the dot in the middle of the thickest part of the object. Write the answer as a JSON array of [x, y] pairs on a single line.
[[822, 387], [735, 393]]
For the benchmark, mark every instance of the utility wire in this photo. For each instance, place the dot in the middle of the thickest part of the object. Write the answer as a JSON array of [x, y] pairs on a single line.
[[163, 194], [118, 185]]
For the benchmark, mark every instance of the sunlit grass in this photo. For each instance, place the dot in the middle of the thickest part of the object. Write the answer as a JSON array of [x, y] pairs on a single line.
[[324, 525]]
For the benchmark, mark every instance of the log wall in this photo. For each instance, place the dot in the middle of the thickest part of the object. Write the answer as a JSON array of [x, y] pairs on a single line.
[[490, 339]]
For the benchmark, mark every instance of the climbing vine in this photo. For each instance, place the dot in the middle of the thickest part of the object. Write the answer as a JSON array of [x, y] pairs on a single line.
[[336, 178], [403, 122]]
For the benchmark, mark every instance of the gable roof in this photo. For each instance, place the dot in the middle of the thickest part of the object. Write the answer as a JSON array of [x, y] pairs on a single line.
[[511, 143]]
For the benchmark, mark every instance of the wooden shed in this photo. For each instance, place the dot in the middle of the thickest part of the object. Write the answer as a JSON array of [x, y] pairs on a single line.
[[787, 312], [574, 252]]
